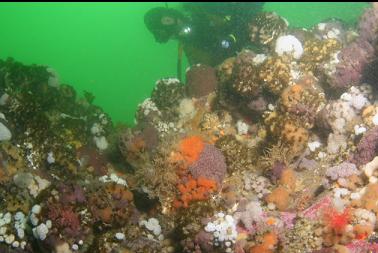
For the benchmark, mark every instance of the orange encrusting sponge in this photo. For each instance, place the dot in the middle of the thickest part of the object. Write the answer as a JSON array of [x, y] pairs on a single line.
[[191, 148], [269, 242], [194, 190]]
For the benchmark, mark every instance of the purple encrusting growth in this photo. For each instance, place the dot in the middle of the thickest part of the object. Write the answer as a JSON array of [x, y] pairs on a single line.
[[368, 25], [355, 57], [307, 164], [366, 148], [344, 169], [211, 164], [201, 80], [277, 169], [150, 136], [353, 60]]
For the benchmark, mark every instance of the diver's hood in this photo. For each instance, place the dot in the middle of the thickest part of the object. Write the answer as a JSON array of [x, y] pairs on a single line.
[[162, 32]]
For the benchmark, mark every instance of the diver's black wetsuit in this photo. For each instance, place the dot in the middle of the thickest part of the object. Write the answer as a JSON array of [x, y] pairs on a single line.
[[218, 29], [209, 33]]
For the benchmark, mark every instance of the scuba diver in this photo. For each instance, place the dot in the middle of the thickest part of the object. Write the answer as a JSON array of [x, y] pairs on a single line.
[[208, 33]]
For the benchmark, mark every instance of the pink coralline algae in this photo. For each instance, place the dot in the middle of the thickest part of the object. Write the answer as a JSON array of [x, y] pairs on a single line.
[[366, 148], [353, 60], [211, 164], [65, 218]]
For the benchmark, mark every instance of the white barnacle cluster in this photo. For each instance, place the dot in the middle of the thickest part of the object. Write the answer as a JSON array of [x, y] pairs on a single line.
[[166, 127], [40, 230], [330, 66], [332, 33], [113, 178], [167, 81], [295, 72], [31, 154], [148, 106], [329, 31], [258, 59], [223, 229], [153, 227], [98, 132], [242, 127], [12, 229], [314, 145]]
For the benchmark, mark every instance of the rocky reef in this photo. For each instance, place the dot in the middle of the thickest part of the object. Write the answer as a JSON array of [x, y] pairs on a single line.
[[271, 151]]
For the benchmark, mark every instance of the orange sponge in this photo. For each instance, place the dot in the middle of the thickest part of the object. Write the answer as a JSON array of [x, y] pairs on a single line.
[[268, 244], [279, 197], [194, 190], [288, 179], [191, 148]]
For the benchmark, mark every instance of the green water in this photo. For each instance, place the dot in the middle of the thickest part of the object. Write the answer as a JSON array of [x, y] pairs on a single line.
[[105, 48]]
